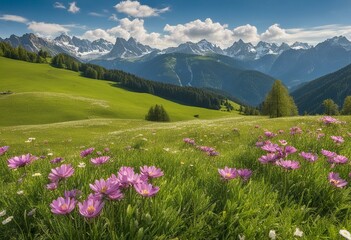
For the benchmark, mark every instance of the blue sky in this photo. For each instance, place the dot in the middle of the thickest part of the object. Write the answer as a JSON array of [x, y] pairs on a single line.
[[161, 23]]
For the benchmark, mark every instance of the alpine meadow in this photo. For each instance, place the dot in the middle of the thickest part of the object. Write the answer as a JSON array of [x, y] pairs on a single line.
[[175, 120]]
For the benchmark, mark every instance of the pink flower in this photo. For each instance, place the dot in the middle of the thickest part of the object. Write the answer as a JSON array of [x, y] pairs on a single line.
[[269, 134], [270, 147], [151, 172], [3, 149], [100, 160], [228, 173], [189, 141], [295, 130], [328, 154], [21, 161], [73, 193], [309, 156], [336, 181], [244, 174], [288, 164], [107, 188], [338, 159], [269, 158], [64, 171], [329, 120], [127, 177], [283, 142], [86, 152], [337, 139], [57, 160], [52, 186], [91, 207], [62, 205], [146, 189]]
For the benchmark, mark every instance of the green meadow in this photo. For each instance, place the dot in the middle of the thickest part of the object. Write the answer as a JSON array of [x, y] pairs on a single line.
[[66, 114], [43, 94]]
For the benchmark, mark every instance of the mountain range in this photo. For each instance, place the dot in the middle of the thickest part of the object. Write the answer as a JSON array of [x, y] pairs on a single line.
[[244, 70]]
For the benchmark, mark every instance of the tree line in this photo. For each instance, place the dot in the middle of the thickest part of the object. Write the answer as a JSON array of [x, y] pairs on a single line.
[[185, 95], [19, 53]]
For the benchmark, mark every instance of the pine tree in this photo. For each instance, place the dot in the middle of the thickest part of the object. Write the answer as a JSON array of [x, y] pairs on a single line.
[[330, 107], [158, 114], [278, 102], [346, 107]]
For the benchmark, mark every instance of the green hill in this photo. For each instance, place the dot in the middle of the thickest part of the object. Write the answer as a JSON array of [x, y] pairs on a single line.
[[43, 94], [336, 85]]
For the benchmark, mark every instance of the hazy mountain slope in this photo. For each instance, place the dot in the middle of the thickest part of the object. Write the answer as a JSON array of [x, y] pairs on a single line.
[[336, 86]]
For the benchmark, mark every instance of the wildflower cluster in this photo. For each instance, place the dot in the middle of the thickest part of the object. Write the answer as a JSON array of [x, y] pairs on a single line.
[[110, 189], [210, 151]]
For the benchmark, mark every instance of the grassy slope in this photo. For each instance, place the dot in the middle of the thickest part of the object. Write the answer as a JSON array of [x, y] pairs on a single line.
[[43, 94]]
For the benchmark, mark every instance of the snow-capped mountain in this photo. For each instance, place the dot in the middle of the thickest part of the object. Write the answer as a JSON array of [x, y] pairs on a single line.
[[83, 48], [202, 47], [340, 41], [300, 45], [127, 49], [32, 43], [247, 51]]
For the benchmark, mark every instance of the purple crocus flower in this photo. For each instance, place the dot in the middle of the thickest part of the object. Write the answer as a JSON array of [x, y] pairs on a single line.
[[288, 164], [86, 152], [146, 189], [336, 181], [151, 172], [73, 193], [107, 188], [269, 158], [64, 171], [295, 130], [189, 141], [20, 161], [244, 174], [127, 177], [52, 186], [228, 173], [328, 154], [309, 156], [329, 120], [100, 160], [270, 147], [3, 149], [63, 206], [289, 150], [91, 207], [57, 160], [338, 159], [337, 139], [269, 134]]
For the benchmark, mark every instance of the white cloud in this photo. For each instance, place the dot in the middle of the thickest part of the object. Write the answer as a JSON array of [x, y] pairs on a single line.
[[73, 8], [274, 34], [215, 32], [247, 33], [13, 18], [135, 9], [113, 17], [196, 30], [59, 5], [93, 35], [95, 14], [47, 29]]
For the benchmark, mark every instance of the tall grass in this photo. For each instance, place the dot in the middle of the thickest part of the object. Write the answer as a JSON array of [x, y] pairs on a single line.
[[193, 201]]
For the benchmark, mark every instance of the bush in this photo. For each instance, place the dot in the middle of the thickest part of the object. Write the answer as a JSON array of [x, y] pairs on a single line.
[[157, 114]]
